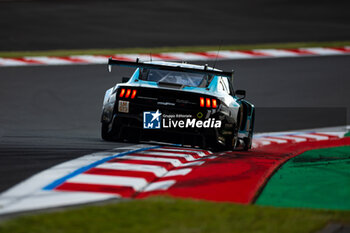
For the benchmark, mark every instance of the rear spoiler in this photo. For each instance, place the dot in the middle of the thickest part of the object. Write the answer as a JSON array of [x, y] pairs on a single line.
[[138, 64]]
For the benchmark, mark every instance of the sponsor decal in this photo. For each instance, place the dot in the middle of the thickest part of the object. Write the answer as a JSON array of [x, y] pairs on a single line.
[[151, 120], [157, 120]]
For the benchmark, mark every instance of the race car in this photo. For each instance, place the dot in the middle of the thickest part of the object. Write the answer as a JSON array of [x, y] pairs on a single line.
[[179, 103]]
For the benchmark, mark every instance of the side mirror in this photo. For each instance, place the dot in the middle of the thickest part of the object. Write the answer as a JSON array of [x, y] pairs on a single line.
[[125, 79], [240, 94]]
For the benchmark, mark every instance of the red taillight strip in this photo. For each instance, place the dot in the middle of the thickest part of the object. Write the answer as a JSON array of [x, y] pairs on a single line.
[[128, 92], [133, 94], [208, 103], [214, 103], [122, 93], [201, 101]]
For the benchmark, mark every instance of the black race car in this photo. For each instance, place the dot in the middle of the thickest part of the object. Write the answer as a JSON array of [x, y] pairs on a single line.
[[178, 103]]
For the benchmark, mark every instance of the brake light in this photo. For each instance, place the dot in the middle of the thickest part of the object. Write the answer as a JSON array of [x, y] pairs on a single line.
[[214, 103], [133, 94], [128, 92], [201, 102], [122, 92], [208, 102]]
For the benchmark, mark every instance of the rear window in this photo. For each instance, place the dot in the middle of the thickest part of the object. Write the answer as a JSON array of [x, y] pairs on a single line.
[[176, 77]]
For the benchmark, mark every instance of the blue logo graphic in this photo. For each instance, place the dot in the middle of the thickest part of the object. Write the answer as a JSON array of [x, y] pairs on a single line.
[[151, 120]]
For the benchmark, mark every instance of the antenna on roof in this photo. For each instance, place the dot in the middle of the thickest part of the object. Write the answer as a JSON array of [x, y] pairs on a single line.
[[150, 55], [217, 55]]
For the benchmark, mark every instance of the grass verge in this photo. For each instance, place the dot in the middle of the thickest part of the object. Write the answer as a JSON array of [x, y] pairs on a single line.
[[164, 214], [315, 179], [171, 49]]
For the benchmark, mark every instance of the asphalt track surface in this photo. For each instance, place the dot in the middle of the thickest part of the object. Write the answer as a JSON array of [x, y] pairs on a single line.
[[42, 25], [50, 114]]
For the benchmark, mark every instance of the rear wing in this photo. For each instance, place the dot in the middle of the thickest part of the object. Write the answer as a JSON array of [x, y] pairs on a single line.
[[138, 64]]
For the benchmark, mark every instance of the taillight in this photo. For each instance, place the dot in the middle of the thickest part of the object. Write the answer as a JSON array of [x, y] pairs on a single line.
[[201, 102], [214, 103], [207, 102], [122, 92], [133, 94], [126, 93]]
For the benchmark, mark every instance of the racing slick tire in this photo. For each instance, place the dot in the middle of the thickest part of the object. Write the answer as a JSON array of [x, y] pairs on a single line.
[[249, 140], [247, 144], [107, 136], [232, 141], [110, 134]]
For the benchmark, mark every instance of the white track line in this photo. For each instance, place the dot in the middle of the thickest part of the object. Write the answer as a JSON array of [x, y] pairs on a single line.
[[316, 137], [160, 185], [156, 170], [277, 52], [136, 183], [197, 163], [336, 134], [178, 172], [188, 157], [262, 142], [293, 138], [93, 59], [50, 60], [233, 55], [11, 62], [323, 51], [279, 141], [199, 153], [174, 162]]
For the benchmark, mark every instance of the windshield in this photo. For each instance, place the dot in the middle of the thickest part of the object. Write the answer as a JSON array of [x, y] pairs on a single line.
[[176, 77]]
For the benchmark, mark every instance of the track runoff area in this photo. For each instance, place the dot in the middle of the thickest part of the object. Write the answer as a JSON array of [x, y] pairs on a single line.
[[287, 169]]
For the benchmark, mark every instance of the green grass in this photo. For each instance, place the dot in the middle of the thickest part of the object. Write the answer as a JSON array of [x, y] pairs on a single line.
[[167, 215], [315, 179], [170, 49]]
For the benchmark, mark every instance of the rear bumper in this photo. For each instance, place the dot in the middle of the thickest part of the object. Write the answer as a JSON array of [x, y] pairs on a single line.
[[131, 125]]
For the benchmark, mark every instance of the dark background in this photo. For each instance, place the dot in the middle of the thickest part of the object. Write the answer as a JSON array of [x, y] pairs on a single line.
[[42, 25]]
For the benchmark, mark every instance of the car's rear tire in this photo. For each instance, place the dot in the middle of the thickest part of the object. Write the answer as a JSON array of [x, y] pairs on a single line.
[[249, 140], [247, 144], [234, 137], [231, 142], [105, 132]]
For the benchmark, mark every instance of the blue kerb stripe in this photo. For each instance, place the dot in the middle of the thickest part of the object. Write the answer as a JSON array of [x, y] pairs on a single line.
[[60, 181]]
